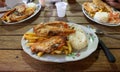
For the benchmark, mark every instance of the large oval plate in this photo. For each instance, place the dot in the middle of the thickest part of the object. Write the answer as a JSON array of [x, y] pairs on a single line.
[[38, 7], [88, 16], [74, 56]]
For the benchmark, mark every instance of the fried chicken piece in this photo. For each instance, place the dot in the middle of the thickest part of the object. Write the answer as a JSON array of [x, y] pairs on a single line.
[[102, 5], [21, 13], [4, 17], [90, 7], [96, 6], [21, 8], [53, 29], [58, 24], [49, 45], [14, 17]]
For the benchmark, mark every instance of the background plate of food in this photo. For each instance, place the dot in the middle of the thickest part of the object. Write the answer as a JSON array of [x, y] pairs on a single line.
[[21, 13], [59, 42], [101, 13]]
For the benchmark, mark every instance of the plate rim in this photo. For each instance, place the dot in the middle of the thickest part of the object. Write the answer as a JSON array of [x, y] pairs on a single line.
[[105, 24], [36, 57]]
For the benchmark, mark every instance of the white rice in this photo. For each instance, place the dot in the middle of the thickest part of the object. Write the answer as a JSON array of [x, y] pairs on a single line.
[[78, 39], [31, 5], [101, 17]]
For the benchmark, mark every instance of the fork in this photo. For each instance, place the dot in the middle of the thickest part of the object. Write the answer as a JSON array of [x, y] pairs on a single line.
[[100, 32]]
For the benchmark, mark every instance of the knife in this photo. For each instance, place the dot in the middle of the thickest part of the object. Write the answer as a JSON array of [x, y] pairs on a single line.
[[108, 54], [28, 1]]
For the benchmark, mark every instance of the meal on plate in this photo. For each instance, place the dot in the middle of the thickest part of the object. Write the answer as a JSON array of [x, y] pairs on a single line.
[[19, 12], [55, 38], [102, 12]]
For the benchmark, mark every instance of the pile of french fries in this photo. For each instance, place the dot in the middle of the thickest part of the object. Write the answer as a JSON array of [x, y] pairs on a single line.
[[93, 13], [32, 38]]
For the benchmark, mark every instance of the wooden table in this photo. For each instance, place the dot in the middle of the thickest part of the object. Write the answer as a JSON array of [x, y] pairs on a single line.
[[13, 58]]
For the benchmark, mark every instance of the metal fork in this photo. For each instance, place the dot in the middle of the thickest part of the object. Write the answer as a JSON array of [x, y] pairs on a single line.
[[100, 32]]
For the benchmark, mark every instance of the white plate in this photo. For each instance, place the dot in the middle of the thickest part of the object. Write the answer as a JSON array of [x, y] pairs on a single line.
[[106, 24], [38, 7], [74, 56]]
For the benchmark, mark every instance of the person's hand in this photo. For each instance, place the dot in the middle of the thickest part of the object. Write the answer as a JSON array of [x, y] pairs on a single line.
[[113, 3]]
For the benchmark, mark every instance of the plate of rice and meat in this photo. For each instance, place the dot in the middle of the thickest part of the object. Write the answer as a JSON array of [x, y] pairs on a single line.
[[59, 42], [101, 13], [20, 13]]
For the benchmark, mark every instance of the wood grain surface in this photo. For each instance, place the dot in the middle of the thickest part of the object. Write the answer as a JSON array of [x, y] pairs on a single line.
[[13, 58]]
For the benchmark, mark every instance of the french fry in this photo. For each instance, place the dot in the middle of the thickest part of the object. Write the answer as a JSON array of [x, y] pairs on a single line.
[[61, 49], [101, 10], [66, 52], [32, 41], [69, 47], [65, 47], [30, 33], [40, 54], [30, 37], [58, 51], [29, 44]]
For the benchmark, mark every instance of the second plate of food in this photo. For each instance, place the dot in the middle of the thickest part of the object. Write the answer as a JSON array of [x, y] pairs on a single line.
[[101, 13], [21, 13]]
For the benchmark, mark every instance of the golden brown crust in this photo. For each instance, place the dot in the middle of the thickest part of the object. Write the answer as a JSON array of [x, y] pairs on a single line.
[[27, 13], [52, 29], [96, 6], [7, 13], [90, 7], [49, 45], [102, 5]]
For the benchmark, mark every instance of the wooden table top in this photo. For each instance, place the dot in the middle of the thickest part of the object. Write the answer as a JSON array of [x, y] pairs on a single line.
[[13, 58]]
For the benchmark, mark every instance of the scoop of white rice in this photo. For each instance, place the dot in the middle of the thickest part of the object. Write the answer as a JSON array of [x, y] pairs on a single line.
[[78, 39], [101, 16], [31, 5]]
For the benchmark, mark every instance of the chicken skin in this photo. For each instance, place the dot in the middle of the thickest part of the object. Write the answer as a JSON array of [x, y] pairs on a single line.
[[49, 45], [53, 29]]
